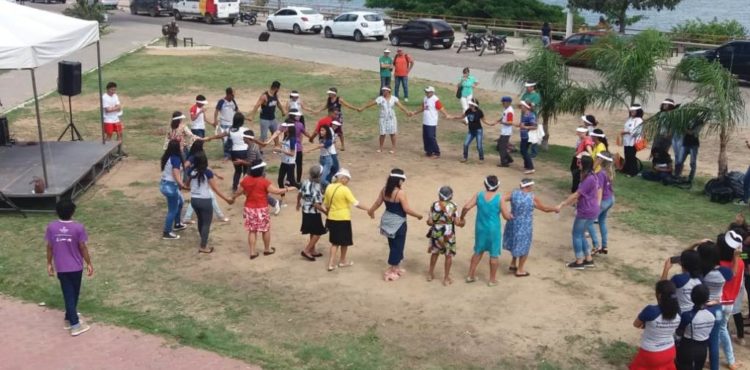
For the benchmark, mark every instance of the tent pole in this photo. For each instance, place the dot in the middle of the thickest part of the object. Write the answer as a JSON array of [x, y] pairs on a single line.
[[101, 94], [39, 127]]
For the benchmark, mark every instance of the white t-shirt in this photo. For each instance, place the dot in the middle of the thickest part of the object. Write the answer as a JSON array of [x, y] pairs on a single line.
[[685, 285], [238, 142], [658, 334], [226, 109], [507, 130], [199, 123], [698, 325], [202, 190], [714, 280], [633, 127], [431, 107], [285, 158], [110, 102]]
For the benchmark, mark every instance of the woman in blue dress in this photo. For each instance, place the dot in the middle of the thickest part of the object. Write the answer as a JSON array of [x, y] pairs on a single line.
[[518, 230]]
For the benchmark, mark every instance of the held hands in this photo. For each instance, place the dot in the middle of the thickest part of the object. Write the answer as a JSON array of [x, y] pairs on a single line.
[[89, 270], [50, 270], [371, 214]]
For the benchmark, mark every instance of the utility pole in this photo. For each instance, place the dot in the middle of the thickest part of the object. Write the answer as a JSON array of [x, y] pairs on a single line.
[[570, 12]]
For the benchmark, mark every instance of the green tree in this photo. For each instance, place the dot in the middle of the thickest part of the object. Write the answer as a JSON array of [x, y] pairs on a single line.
[[548, 70], [626, 67], [616, 10], [527, 10], [713, 31], [718, 105], [92, 11]]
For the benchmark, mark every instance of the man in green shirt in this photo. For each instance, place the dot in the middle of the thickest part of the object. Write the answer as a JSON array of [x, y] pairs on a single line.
[[533, 97], [386, 66]]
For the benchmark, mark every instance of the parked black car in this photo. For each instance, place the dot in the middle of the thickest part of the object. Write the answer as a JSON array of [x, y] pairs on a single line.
[[153, 8], [424, 32], [734, 56]]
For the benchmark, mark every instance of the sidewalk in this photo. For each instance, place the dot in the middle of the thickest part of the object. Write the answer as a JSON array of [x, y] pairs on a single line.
[[33, 338]]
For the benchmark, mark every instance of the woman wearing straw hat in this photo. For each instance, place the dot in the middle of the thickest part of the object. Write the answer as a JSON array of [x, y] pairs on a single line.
[[387, 117], [338, 200], [393, 221], [517, 237], [256, 189], [606, 178]]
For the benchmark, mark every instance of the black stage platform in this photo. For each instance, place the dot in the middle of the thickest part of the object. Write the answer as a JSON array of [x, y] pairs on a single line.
[[72, 166]]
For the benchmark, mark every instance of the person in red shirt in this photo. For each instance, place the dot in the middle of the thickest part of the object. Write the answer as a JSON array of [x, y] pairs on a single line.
[[256, 188], [402, 63], [730, 246], [325, 121]]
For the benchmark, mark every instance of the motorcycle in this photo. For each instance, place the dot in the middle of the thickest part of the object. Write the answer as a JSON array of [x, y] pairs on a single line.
[[471, 40], [251, 18], [494, 43]]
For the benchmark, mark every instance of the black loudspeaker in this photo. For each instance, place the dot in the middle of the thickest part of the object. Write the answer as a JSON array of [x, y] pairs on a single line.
[[264, 36], [4, 131], [69, 78]]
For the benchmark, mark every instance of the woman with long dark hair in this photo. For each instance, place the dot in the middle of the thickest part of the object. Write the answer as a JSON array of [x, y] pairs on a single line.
[[202, 190], [393, 221], [195, 150], [587, 199], [239, 147], [606, 178], [181, 133], [689, 278], [630, 134], [336, 102], [288, 157], [584, 147], [659, 323], [694, 330], [170, 185], [600, 145]]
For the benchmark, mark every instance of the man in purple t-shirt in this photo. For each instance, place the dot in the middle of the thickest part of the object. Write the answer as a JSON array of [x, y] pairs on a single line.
[[66, 246]]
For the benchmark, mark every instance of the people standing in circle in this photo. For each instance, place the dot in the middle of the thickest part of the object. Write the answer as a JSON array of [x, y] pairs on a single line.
[[487, 230], [335, 102], [587, 199], [431, 105], [223, 117], [659, 323], [687, 280], [386, 68], [181, 133], [584, 146], [528, 123], [402, 65], [443, 220], [606, 179], [195, 150], [393, 220], [268, 102], [695, 326], [310, 201], [387, 116], [506, 132], [630, 133], [534, 99], [112, 115], [518, 233], [198, 117], [170, 185], [601, 145], [338, 200], [546, 34], [473, 118], [288, 153], [202, 189], [256, 189], [466, 84]]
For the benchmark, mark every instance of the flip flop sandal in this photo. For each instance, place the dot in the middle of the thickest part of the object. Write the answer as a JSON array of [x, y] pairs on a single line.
[[331, 268], [206, 252], [491, 284], [349, 264], [309, 258], [316, 255], [512, 268], [523, 275], [254, 256], [470, 279], [269, 252]]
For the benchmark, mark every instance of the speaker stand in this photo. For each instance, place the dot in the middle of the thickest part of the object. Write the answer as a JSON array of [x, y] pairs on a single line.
[[74, 134], [13, 206]]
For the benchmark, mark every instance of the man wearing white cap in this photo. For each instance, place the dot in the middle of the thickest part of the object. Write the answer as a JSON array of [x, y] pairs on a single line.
[[198, 117], [430, 107], [386, 66]]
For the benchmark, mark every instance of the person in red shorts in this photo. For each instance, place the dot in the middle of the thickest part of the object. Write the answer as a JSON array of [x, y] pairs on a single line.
[[112, 112]]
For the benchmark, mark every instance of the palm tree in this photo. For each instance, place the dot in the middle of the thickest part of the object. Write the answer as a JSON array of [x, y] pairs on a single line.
[[626, 66], [549, 71], [718, 105]]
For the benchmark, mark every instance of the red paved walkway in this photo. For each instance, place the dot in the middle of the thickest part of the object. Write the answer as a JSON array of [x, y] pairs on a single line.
[[32, 337]]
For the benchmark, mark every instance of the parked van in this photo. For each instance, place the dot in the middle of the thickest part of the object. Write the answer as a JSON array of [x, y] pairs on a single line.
[[208, 10]]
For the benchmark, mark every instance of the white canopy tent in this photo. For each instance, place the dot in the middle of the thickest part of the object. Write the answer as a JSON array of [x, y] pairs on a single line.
[[30, 38]]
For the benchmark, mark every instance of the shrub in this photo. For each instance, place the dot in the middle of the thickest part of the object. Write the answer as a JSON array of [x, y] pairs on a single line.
[[713, 31], [91, 11]]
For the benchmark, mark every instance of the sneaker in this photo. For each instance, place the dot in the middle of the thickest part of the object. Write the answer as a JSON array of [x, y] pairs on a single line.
[[170, 236], [740, 202], [576, 266], [503, 165], [589, 264], [79, 329], [66, 324], [180, 227], [276, 209], [463, 160], [406, 100], [529, 172]]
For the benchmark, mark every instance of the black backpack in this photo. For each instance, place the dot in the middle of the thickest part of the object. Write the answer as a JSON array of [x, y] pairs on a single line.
[[719, 191]]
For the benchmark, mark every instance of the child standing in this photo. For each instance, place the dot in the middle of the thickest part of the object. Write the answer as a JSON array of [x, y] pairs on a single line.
[[66, 247], [287, 151], [442, 221], [310, 200]]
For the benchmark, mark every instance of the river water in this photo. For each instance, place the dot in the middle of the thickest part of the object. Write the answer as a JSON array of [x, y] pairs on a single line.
[[664, 20]]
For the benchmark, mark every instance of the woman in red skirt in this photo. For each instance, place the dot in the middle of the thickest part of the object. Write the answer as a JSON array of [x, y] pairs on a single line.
[[659, 322]]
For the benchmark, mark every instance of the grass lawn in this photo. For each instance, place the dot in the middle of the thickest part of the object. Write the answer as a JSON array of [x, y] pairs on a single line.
[[142, 285]]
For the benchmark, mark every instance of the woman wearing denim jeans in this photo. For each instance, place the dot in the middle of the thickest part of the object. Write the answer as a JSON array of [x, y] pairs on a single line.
[[528, 123], [587, 198], [171, 183], [328, 158], [473, 118], [606, 178]]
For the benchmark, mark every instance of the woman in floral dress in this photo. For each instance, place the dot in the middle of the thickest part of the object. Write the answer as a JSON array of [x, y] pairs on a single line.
[[518, 230], [387, 117], [443, 220]]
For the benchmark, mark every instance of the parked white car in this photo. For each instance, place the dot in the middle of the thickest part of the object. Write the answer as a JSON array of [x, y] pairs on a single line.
[[109, 3], [296, 19], [356, 24]]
